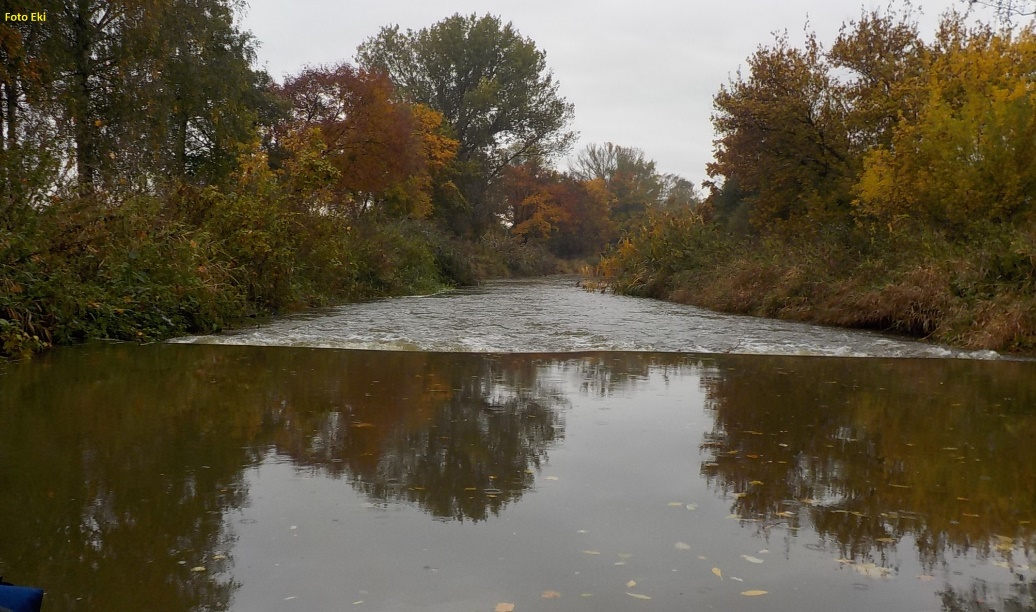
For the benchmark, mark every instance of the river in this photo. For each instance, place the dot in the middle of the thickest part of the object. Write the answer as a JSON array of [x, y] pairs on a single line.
[[618, 454]]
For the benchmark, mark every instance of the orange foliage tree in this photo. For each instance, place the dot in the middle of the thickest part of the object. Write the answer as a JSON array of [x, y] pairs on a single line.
[[386, 153]]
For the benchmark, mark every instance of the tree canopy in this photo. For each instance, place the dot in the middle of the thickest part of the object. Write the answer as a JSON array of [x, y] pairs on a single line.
[[493, 88]]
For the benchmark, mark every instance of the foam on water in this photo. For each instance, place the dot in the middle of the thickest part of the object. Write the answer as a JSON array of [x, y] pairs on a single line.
[[553, 315]]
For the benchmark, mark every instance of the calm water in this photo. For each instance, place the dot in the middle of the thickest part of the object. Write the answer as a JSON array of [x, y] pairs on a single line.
[[208, 477]]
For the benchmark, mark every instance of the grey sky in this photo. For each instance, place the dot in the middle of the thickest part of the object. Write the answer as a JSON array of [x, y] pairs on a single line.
[[640, 73]]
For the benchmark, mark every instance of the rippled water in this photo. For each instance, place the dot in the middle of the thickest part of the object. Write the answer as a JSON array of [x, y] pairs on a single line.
[[554, 315]]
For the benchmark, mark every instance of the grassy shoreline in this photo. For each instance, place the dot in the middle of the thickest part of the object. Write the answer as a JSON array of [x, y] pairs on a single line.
[[975, 295]]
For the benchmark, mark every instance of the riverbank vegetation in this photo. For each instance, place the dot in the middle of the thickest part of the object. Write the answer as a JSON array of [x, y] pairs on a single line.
[[884, 181], [154, 182]]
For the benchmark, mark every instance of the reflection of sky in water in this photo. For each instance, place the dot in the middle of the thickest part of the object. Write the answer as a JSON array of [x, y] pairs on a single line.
[[553, 315]]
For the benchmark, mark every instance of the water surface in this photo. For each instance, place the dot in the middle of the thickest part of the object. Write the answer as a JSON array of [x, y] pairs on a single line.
[[203, 477], [554, 315]]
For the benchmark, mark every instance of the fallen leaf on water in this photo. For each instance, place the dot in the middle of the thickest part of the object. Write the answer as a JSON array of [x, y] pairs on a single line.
[[550, 594], [970, 515], [631, 584], [591, 552], [753, 593], [718, 572], [619, 563], [504, 607], [682, 546], [736, 578], [764, 551], [785, 514], [871, 570], [756, 482], [363, 425], [198, 569], [692, 506], [751, 559], [551, 478], [637, 595], [675, 504], [586, 594], [899, 486]]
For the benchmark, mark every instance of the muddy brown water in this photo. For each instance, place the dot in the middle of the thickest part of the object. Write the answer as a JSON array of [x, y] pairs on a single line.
[[214, 477]]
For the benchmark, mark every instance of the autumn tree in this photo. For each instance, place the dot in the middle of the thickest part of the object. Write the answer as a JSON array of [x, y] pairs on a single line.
[[781, 135], [494, 90], [382, 150], [626, 172], [969, 156]]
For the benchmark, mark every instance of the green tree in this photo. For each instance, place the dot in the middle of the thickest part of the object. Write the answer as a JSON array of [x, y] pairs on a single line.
[[492, 87]]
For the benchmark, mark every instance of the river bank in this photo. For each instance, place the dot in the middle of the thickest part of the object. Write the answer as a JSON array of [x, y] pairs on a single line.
[[977, 295]]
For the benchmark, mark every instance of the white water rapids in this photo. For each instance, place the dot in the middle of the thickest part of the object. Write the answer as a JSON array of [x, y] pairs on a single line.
[[553, 315]]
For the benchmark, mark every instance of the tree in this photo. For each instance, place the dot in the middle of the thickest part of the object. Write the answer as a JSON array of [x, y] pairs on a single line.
[[493, 88], [970, 155], [627, 173], [381, 149], [782, 137], [1007, 10]]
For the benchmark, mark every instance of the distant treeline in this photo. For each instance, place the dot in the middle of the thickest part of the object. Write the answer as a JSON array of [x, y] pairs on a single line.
[[885, 181], [154, 182]]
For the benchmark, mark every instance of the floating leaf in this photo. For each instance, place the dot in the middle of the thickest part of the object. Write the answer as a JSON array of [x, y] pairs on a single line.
[[551, 478], [631, 584], [692, 506], [198, 569], [550, 594], [675, 504], [718, 572], [751, 559], [682, 546], [363, 425], [504, 607], [591, 552], [637, 595], [753, 593], [756, 482]]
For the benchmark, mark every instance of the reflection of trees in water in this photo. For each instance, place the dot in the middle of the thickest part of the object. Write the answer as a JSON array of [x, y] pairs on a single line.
[[114, 478], [1019, 596], [125, 469], [869, 452]]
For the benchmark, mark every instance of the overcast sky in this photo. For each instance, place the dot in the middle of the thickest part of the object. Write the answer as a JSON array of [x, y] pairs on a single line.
[[640, 72]]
